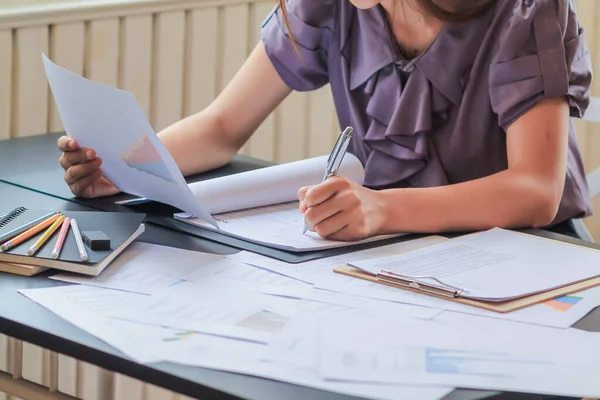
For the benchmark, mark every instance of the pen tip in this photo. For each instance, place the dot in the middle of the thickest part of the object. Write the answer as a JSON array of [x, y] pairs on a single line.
[[84, 257]]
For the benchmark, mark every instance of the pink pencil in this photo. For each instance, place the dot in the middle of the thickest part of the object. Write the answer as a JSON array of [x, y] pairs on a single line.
[[61, 238]]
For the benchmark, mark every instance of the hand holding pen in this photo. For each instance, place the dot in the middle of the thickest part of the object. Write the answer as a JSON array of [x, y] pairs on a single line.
[[336, 157]]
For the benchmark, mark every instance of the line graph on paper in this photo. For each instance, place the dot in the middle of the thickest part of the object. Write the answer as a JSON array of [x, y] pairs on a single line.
[[144, 157]]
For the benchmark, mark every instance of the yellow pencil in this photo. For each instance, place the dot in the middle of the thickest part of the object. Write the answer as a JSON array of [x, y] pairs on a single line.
[[40, 242], [29, 233]]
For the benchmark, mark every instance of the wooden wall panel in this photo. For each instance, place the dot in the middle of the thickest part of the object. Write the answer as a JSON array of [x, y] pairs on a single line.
[[67, 375], [152, 392], [201, 67], [102, 51], [292, 128], [323, 127], [6, 64], [588, 132], [263, 141], [30, 96], [4, 351], [93, 383], [169, 45], [136, 58], [67, 49], [128, 388], [234, 42], [35, 366]]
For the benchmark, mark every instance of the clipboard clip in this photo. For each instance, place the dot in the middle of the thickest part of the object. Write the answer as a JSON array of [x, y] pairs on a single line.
[[415, 282]]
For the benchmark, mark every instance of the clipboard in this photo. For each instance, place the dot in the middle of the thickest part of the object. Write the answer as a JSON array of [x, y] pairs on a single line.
[[497, 306], [447, 292]]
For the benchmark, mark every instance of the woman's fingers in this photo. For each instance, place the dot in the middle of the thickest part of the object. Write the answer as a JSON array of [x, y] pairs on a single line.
[[79, 171], [66, 143], [76, 157]]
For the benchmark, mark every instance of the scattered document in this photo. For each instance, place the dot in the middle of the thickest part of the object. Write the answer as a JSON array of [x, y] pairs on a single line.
[[111, 122], [232, 311], [293, 358], [320, 271], [232, 272], [88, 308], [147, 268], [494, 265], [317, 303], [558, 362], [217, 310], [309, 377]]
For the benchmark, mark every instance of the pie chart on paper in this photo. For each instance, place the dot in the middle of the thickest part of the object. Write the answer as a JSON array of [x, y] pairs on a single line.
[[144, 157]]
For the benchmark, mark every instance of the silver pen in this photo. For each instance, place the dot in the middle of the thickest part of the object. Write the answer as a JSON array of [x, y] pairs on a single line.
[[336, 156]]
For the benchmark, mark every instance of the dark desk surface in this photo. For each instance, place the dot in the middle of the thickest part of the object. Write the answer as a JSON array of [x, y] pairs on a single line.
[[21, 163]]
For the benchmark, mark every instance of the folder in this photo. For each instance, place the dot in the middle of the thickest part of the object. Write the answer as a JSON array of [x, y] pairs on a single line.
[[500, 307], [435, 287]]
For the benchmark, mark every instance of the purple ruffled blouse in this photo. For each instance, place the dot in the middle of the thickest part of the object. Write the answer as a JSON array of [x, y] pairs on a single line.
[[440, 118]]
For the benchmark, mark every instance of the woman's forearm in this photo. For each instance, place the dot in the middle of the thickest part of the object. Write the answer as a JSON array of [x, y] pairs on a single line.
[[506, 199], [199, 143]]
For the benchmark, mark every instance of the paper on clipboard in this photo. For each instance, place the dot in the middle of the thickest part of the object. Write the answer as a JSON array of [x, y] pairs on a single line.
[[496, 265]]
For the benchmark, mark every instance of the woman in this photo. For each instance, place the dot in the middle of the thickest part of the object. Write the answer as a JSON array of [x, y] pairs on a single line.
[[461, 112]]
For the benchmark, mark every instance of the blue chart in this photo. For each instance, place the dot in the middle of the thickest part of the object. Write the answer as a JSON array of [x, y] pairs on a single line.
[[480, 363], [144, 157]]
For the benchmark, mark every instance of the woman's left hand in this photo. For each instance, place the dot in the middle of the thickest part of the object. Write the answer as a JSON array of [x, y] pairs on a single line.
[[339, 209]]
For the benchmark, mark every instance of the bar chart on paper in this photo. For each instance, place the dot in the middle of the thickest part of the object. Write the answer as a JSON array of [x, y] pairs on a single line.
[[563, 303]]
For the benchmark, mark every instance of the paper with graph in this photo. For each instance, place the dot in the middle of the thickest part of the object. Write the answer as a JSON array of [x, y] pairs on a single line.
[[111, 122]]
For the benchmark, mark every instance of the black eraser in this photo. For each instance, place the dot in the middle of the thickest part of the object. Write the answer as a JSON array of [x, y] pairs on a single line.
[[96, 240]]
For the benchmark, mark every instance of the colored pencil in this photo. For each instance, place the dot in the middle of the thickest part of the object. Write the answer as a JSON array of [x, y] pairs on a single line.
[[82, 253], [29, 233], [17, 231], [49, 232], [61, 238]]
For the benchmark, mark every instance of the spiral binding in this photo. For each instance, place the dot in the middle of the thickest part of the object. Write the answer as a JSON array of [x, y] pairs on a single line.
[[13, 215]]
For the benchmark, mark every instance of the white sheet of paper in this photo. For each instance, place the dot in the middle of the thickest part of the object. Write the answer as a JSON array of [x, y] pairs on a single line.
[[293, 357], [235, 312], [212, 309], [88, 308], [309, 377], [233, 272], [562, 312], [544, 361], [111, 122], [494, 265], [279, 226], [320, 271], [317, 302], [271, 185], [147, 268]]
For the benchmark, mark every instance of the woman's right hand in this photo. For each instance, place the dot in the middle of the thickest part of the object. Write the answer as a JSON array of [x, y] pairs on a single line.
[[82, 170]]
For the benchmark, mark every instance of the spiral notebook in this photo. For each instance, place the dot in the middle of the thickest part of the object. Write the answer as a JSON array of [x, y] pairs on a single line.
[[122, 229]]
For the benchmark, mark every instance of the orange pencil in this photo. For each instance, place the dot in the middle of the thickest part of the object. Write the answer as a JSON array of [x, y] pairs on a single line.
[[61, 238], [29, 233]]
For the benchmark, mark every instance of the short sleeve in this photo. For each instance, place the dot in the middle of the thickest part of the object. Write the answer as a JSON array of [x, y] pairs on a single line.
[[311, 24], [540, 53]]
